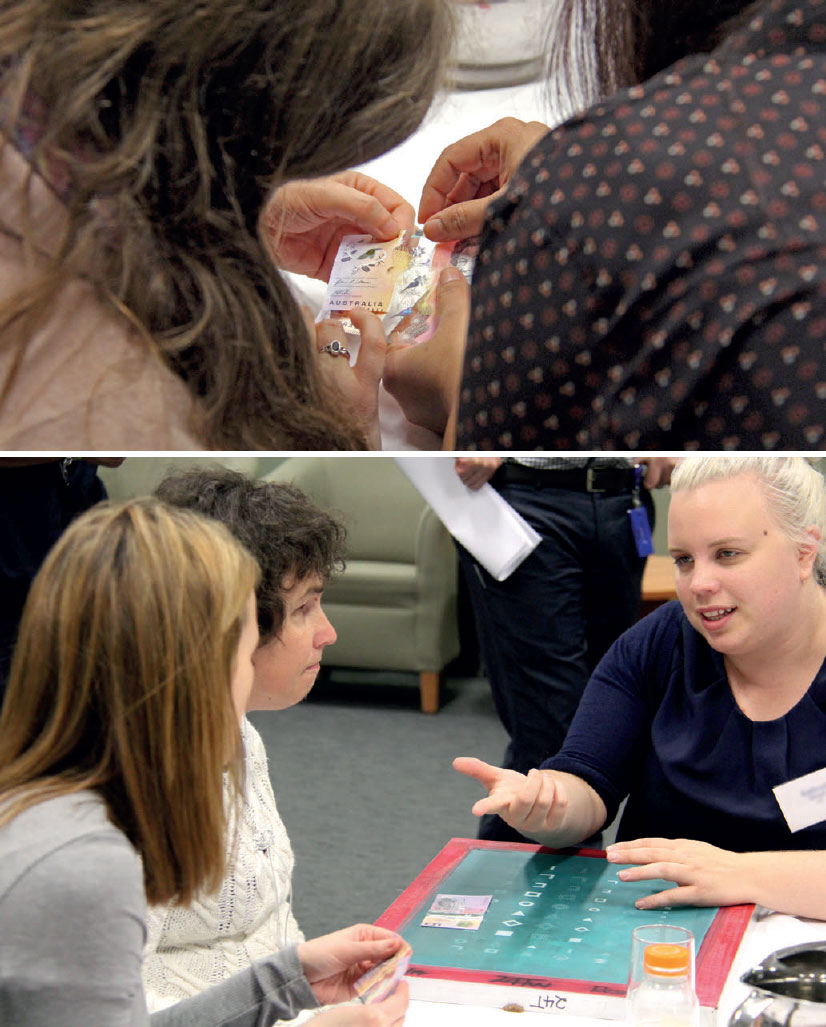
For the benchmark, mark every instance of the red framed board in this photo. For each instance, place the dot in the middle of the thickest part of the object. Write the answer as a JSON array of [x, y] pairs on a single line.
[[530, 928]]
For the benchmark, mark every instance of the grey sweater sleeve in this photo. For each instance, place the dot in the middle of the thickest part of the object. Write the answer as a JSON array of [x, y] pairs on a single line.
[[72, 931], [272, 989], [72, 913]]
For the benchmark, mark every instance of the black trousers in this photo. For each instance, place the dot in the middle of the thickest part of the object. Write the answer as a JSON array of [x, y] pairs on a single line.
[[37, 502], [544, 629]]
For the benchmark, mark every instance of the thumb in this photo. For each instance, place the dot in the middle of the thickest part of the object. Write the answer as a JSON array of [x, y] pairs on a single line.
[[371, 355], [484, 773], [320, 958], [453, 302], [458, 221]]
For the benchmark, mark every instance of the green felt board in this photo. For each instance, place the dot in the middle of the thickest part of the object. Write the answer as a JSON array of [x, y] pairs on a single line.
[[575, 924]]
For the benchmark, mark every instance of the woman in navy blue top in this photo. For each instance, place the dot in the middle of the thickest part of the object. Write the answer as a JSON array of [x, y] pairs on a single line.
[[699, 712]]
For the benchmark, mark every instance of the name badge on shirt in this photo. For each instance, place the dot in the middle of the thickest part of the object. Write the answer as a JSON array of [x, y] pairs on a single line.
[[803, 801]]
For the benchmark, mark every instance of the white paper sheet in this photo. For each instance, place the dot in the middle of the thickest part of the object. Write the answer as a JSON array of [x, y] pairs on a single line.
[[481, 520]]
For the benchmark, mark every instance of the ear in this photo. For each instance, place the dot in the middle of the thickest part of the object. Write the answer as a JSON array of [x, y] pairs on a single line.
[[807, 552]]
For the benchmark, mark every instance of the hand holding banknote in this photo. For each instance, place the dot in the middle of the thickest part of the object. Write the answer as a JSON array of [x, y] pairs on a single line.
[[471, 172], [356, 384], [304, 221], [389, 1012], [334, 964], [425, 378]]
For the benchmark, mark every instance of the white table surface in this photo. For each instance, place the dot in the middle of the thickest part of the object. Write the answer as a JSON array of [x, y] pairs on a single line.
[[762, 937], [454, 114]]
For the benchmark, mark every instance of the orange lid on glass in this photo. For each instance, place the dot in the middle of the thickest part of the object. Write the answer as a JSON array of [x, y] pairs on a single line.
[[666, 960]]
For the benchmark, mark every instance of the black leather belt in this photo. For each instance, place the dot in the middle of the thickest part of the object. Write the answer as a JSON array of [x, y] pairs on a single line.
[[576, 479]]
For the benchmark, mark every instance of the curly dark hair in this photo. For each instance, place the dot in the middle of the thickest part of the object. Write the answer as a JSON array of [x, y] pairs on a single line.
[[289, 536]]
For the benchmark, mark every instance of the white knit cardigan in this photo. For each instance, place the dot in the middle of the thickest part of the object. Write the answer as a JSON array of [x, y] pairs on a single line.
[[192, 947]]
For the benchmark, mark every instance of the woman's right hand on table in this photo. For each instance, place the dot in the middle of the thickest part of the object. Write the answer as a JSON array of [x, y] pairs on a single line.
[[471, 172]]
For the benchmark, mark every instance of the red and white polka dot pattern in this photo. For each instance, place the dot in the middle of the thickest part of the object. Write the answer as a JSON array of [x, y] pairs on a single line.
[[656, 277]]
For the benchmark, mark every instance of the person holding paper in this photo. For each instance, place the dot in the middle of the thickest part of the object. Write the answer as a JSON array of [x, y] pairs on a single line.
[[119, 747], [645, 276], [297, 546], [709, 715], [143, 152], [543, 629]]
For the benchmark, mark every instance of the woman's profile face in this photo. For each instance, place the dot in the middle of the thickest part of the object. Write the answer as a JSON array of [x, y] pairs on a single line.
[[286, 666], [738, 574]]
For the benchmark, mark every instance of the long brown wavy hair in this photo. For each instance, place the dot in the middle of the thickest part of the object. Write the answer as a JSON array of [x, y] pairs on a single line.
[[121, 683], [598, 46], [175, 121]]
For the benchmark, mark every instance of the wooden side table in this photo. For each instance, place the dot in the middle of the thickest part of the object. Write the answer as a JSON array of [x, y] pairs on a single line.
[[658, 584]]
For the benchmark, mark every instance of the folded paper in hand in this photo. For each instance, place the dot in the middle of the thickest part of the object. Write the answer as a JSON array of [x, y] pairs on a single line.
[[486, 525]]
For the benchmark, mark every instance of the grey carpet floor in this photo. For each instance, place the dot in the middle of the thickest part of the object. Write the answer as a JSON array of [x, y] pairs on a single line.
[[365, 786]]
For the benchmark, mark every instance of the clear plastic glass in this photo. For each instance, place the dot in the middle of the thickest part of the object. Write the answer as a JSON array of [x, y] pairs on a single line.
[[656, 934], [665, 996]]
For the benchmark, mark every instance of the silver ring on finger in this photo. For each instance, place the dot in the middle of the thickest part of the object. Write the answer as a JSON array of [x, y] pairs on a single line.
[[336, 348]]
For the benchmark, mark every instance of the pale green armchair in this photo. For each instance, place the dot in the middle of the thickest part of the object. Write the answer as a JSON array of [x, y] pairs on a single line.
[[394, 607]]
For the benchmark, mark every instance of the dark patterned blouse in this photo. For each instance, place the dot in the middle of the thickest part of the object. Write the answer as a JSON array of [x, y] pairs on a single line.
[[656, 278]]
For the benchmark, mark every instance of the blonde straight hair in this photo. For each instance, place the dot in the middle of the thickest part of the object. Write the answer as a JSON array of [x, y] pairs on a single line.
[[120, 683]]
